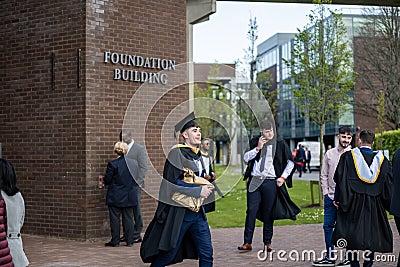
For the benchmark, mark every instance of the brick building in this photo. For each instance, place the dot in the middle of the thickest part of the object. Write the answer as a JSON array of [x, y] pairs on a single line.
[[70, 70]]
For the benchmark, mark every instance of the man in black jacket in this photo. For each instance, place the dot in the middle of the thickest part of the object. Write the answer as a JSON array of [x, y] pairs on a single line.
[[270, 164]]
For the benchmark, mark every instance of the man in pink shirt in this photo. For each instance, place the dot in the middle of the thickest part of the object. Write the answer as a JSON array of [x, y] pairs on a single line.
[[329, 163]]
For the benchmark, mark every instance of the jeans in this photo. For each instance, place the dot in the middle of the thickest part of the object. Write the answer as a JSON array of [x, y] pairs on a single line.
[[329, 224], [200, 232]]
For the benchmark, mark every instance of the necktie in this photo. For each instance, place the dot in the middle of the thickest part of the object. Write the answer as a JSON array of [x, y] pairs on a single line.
[[263, 157]]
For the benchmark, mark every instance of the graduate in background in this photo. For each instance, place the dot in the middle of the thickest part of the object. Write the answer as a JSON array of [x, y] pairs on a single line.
[[363, 193]]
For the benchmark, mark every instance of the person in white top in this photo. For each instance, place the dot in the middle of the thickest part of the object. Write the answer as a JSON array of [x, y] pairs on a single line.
[[269, 165], [15, 207]]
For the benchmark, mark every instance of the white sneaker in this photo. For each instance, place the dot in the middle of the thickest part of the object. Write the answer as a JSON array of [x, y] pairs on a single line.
[[345, 263]]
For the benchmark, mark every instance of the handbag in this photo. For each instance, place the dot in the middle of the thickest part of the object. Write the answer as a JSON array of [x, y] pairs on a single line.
[[190, 202]]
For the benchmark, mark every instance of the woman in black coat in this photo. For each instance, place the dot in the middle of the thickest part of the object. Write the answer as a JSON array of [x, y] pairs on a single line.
[[121, 195]]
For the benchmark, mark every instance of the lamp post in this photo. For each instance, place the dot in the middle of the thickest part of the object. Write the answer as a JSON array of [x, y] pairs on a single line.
[[239, 92]]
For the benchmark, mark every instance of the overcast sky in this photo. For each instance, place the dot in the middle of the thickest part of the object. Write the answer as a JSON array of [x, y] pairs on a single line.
[[223, 38]]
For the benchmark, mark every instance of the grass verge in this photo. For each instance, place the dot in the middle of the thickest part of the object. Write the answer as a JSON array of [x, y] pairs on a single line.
[[231, 210]]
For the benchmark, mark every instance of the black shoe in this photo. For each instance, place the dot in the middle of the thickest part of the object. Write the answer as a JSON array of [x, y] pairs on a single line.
[[137, 240], [122, 239], [109, 244], [129, 245]]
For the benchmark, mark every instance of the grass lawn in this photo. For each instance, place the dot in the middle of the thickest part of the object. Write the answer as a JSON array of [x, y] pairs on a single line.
[[231, 210]]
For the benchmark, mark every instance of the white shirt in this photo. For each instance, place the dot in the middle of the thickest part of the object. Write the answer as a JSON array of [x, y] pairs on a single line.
[[269, 170], [130, 146], [206, 161]]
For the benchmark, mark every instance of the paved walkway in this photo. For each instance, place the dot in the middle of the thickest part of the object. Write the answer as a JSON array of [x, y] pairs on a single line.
[[43, 251]]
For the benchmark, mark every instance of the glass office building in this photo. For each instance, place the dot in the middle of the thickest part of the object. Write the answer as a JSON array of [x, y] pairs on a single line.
[[290, 123]]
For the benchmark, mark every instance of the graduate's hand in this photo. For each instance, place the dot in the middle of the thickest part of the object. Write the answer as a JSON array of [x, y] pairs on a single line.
[[336, 204], [213, 176], [261, 142], [207, 177], [280, 181], [205, 191]]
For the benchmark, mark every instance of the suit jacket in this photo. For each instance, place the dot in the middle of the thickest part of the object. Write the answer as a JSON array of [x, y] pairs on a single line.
[[308, 155], [395, 204], [138, 153], [121, 185], [301, 154]]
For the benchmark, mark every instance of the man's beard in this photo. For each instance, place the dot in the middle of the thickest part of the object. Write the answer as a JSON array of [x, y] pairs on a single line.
[[342, 145]]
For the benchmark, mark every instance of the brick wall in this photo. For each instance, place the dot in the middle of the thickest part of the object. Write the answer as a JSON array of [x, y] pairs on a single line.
[[62, 111]]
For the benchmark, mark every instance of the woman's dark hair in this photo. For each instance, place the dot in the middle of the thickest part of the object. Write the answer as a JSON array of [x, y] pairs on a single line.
[[8, 179]]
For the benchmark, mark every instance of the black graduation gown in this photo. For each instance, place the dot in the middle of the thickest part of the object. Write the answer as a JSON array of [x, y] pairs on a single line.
[[163, 231], [395, 205], [361, 217]]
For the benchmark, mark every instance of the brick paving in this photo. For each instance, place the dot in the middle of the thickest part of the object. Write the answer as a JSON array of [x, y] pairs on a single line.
[[51, 252]]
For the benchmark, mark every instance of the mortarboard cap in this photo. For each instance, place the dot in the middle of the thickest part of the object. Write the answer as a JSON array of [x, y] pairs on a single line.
[[185, 123]]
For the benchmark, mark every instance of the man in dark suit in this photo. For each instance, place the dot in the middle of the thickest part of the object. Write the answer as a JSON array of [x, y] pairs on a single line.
[[138, 153], [300, 159], [395, 204], [307, 154], [121, 195]]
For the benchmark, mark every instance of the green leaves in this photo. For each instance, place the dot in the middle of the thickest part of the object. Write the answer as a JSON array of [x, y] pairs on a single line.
[[321, 66]]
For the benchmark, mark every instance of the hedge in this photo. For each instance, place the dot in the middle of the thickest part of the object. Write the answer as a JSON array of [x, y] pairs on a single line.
[[390, 140]]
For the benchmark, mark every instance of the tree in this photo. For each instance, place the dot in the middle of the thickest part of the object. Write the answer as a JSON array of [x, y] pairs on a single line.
[[264, 82], [212, 104], [245, 112], [252, 35], [379, 63], [321, 68], [211, 89], [245, 64]]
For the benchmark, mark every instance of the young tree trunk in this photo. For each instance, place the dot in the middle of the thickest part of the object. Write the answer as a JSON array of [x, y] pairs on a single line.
[[321, 157]]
